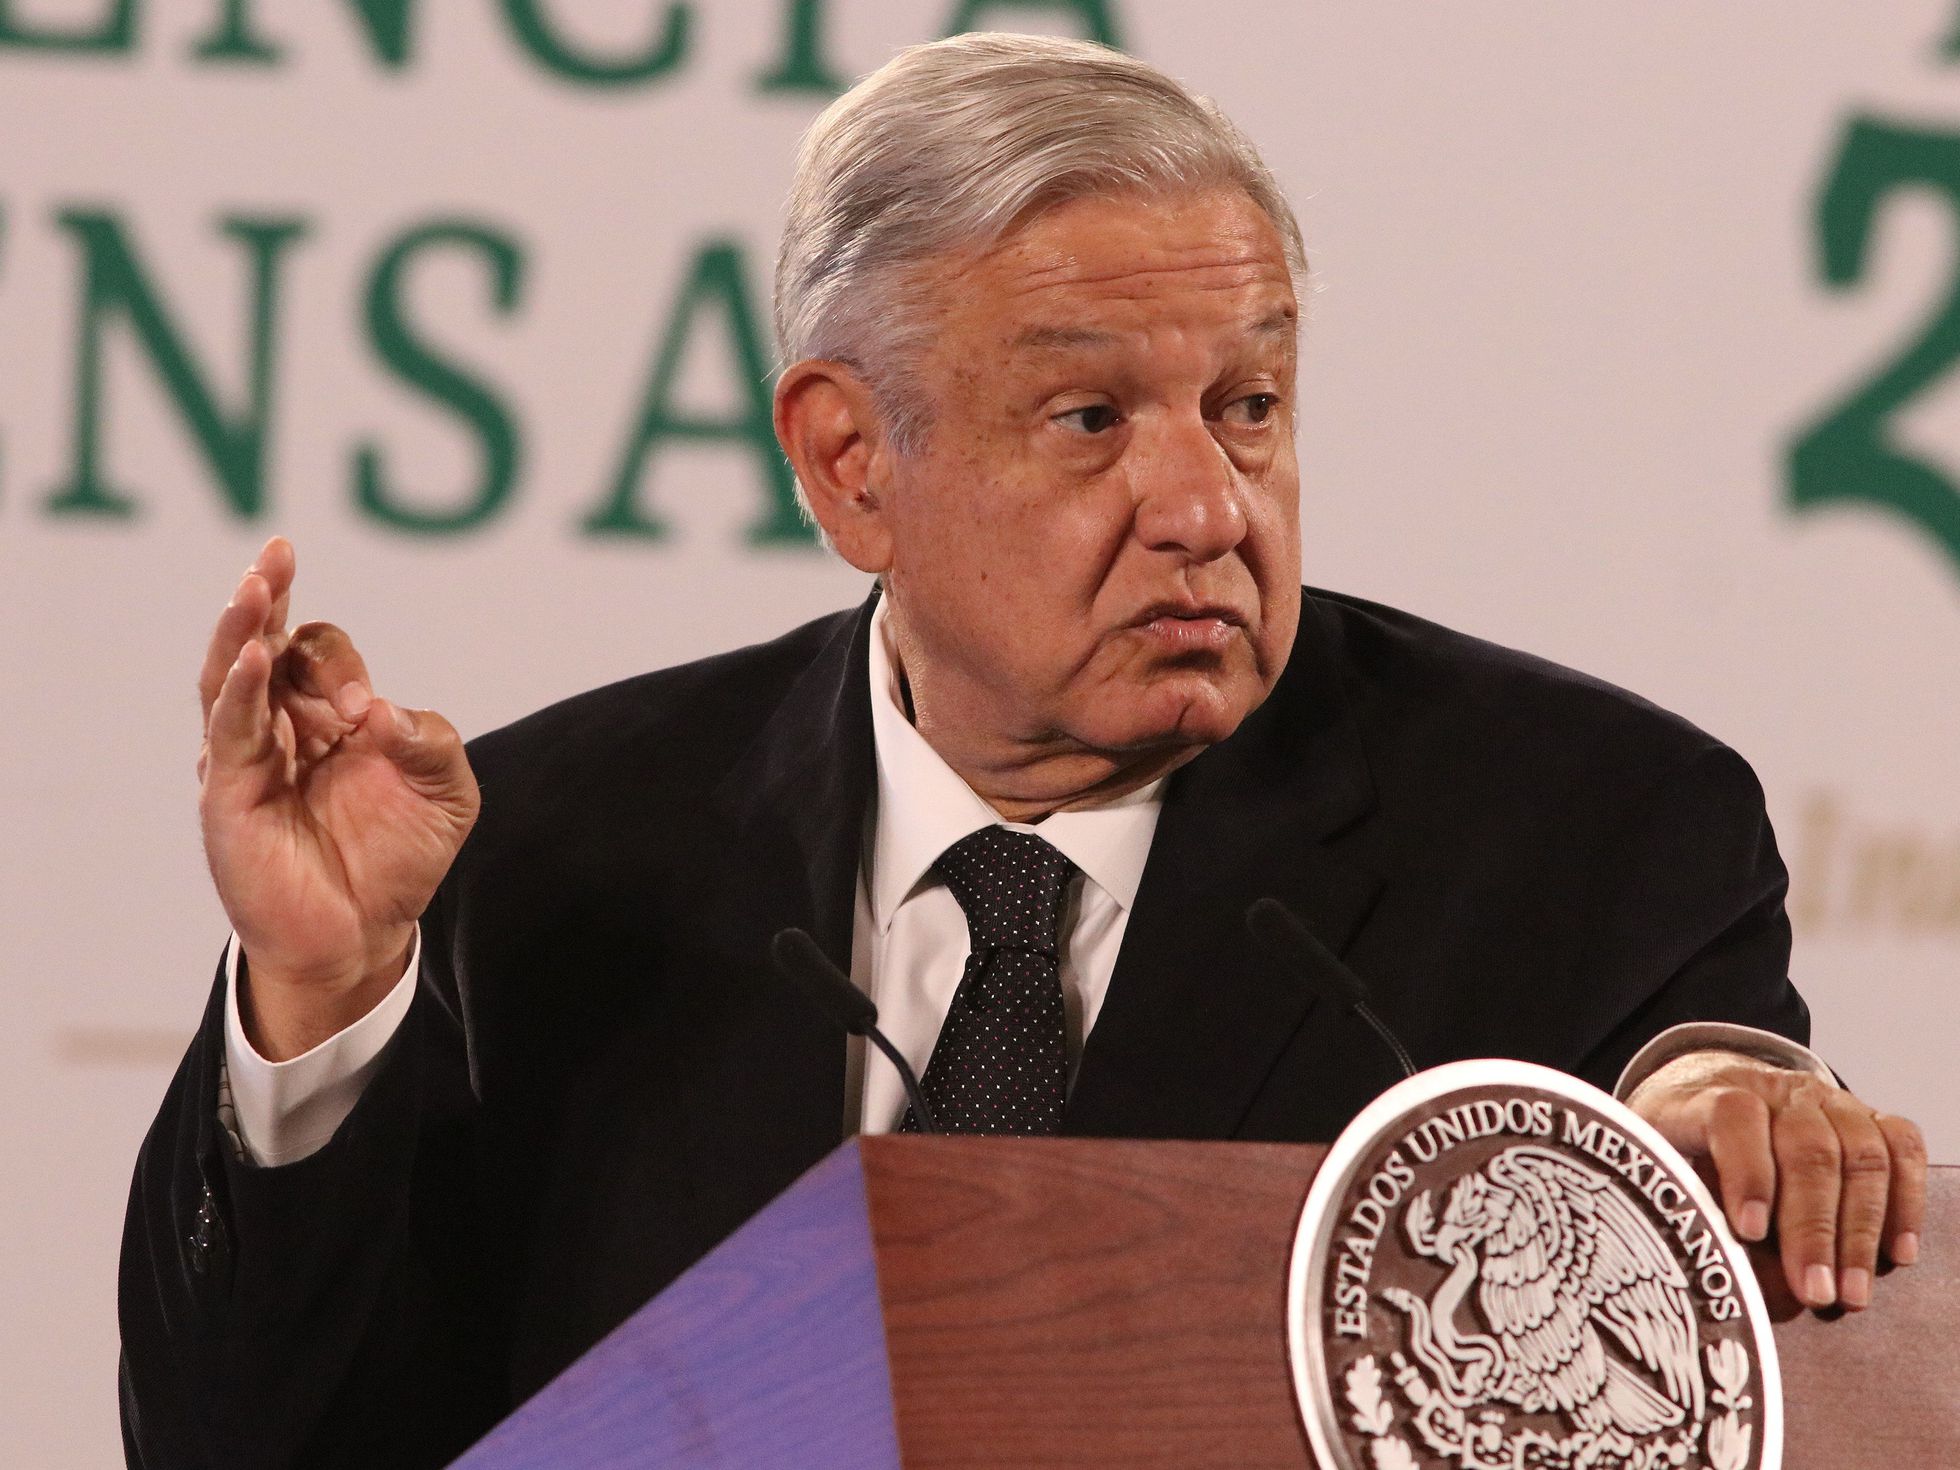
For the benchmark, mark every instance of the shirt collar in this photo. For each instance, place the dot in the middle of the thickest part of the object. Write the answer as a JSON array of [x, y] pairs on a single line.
[[923, 806]]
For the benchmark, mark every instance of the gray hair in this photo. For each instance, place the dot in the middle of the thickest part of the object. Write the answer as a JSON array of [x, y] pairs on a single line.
[[945, 150]]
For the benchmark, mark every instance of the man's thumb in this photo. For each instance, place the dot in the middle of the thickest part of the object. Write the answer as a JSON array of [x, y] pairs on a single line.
[[424, 747]]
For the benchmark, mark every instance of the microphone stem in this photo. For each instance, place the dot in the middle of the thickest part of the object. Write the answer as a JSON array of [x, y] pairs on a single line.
[[905, 1075], [1367, 1013]]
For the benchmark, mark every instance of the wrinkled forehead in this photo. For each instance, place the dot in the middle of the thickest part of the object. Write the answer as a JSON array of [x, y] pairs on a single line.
[[1104, 267]]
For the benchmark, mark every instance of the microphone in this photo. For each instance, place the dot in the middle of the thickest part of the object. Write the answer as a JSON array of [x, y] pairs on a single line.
[[1279, 930], [829, 989]]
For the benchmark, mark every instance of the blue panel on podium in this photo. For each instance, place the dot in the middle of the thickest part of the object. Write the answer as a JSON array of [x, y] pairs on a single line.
[[770, 1352]]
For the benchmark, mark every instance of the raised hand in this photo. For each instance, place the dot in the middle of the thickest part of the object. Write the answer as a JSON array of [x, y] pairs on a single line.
[[329, 815]]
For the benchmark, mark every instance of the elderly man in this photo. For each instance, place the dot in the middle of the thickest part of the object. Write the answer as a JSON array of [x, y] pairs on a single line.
[[481, 1072]]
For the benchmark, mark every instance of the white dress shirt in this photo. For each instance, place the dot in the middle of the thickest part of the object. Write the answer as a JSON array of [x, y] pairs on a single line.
[[910, 943], [908, 949], [282, 1111]]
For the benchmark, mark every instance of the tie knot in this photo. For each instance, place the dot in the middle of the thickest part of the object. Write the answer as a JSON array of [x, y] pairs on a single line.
[[1010, 884]]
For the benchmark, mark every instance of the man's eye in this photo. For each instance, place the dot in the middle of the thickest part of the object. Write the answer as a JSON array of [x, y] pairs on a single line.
[[1254, 408], [1094, 418]]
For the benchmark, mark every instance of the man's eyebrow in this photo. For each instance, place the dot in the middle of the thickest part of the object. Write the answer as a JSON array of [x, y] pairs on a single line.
[[1279, 323], [1063, 339]]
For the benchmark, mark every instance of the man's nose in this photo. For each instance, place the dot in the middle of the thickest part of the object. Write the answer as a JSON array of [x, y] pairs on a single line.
[[1189, 495]]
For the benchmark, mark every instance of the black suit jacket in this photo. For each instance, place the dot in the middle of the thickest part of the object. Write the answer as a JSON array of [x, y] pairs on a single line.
[[601, 1076]]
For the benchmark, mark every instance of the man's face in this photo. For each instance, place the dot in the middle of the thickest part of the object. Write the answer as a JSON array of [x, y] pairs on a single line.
[[1098, 546]]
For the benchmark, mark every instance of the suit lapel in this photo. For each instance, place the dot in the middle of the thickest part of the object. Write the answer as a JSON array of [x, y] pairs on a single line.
[[801, 790], [1195, 1017], [796, 801]]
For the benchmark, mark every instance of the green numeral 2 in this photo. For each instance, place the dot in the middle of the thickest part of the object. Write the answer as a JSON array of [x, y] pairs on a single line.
[[1847, 455]]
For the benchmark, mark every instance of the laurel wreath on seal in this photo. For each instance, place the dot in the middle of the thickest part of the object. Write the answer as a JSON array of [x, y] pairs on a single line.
[[1374, 1416], [1729, 1435]]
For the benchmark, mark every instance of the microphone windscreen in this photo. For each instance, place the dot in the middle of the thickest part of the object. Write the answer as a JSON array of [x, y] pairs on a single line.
[[1293, 944], [804, 964]]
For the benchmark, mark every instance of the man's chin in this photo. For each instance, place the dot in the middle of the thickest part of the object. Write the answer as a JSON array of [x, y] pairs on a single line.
[[1182, 712]]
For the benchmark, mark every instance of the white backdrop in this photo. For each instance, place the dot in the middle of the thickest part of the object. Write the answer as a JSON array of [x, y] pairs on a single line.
[[1573, 318]]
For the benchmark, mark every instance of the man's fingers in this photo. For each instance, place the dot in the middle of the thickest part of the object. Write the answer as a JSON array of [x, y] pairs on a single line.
[[1745, 1165], [1808, 1162], [257, 609], [242, 618], [1867, 1178], [277, 563], [1844, 1180], [1905, 1209], [321, 661], [239, 733]]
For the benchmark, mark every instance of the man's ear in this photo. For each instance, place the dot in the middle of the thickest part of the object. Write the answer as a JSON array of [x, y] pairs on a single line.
[[827, 422]]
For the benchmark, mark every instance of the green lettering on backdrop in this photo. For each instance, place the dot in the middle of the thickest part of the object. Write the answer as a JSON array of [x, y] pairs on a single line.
[[115, 31], [116, 286], [803, 68], [1098, 22], [386, 23], [1850, 454], [396, 343], [716, 286], [665, 52]]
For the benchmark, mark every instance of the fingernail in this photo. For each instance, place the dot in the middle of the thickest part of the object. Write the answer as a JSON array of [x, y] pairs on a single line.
[[1857, 1289], [1754, 1224], [1818, 1288], [353, 700], [404, 721], [1905, 1250]]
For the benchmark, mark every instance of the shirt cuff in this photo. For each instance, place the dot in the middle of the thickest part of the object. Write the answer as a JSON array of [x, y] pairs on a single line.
[[282, 1111], [1748, 1041]]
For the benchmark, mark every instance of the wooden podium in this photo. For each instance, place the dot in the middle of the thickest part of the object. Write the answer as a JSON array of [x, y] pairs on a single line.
[[1058, 1302]]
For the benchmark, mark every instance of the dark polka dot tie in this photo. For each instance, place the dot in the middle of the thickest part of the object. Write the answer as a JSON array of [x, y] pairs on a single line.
[[1001, 1063]]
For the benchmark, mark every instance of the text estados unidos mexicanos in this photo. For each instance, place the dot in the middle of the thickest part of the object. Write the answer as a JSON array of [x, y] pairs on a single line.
[[1534, 1118]]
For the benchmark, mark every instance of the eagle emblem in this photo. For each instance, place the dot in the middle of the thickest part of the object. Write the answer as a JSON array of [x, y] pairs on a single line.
[[1501, 1268], [1587, 1312]]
